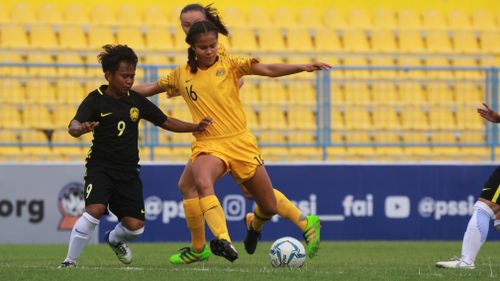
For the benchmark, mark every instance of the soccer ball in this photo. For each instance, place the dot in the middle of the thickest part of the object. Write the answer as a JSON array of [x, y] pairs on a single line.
[[287, 252]]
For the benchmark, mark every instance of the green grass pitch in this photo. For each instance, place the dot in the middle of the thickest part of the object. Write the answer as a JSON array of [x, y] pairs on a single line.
[[335, 261]]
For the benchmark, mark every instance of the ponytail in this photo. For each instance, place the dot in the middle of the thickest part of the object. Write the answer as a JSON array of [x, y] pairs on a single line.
[[192, 60]]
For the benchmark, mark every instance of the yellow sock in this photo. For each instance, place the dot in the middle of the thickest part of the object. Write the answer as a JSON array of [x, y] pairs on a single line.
[[195, 222], [259, 219], [288, 210], [214, 215]]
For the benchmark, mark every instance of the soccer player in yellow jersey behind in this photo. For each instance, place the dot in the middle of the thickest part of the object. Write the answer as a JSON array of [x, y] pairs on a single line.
[[209, 84]]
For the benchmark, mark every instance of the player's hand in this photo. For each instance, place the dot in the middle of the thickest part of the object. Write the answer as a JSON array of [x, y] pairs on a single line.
[[204, 123], [316, 66], [488, 114], [88, 127]]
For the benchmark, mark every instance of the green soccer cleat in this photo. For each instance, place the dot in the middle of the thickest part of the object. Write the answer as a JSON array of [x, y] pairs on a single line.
[[188, 255], [312, 235]]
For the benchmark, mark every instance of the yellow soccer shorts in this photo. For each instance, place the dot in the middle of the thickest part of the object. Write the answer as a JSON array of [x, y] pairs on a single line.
[[240, 153]]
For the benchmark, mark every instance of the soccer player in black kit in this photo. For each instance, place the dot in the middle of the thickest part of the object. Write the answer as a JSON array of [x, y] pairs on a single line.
[[112, 112]]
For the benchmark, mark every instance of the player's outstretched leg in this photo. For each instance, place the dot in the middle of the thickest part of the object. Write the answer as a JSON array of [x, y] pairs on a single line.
[[252, 235], [121, 249], [223, 248], [455, 263], [188, 255], [312, 235]]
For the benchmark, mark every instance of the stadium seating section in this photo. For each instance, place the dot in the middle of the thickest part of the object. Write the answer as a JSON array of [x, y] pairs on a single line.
[[392, 94]]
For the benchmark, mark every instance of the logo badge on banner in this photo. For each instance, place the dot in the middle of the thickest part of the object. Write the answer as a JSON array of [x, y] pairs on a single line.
[[71, 204]]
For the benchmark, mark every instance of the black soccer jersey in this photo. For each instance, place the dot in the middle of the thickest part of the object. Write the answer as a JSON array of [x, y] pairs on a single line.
[[115, 142]]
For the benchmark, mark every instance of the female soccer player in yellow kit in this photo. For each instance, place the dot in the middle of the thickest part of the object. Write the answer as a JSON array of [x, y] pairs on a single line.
[[209, 83]]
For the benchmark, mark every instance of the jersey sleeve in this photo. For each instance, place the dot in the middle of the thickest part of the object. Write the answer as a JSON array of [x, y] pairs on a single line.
[[170, 83], [151, 112], [241, 66], [86, 110]]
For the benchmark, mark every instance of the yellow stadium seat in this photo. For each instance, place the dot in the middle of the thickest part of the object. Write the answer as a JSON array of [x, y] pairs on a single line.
[[357, 93], [76, 14], [69, 153], [12, 91], [145, 154], [37, 116], [385, 61], [434, 19], [103, 14], [356, 41], [444, 137], [441, 118], [359, 19], [41, 71], [182, 114], [359, 153], [472, 137], [233, 16], [4, 14], [22, 13], [182, 138], [284, 18], [475, 154], [40, 91], [180, 40], [310, 18], [446, 153], [410, 41], [337, 95], [272, 118], [483, 20], [10, 117], [72, 37], [9, 137], [336, 153], [299, 40], [72, 65], [63, 114], [409, 19], [306, 154], [271, 137], [459, 20], [337, 119], [438, 61], [336, 19], [13, 37], [131, 36], [357, 118], [467, 62], [390, 153], [163, 153], [418, 153], [154, 15], [385, 118], [272, 92], [439, 93], [468, 118], [251, 116], [409, 73], [384, 19], [249, 94], [301, 119], [271, 40], [62, 137], [387, 138], [49, 13], [243, 40], [412, 93], [179, 154], [37, 154], [129, 15], [275, 154], [302, 137], [356, 61], [12, 71], [33, 137], [327, 40], [465, 42], [259, 17], [438, 42], [468, 94], [490, 41], [383, 41], [98, 36], [414, 119], [302, 93]]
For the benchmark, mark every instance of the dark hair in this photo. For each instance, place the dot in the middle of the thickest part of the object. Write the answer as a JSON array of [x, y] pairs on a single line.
[[112, 55], [211, 14], [196, 29]]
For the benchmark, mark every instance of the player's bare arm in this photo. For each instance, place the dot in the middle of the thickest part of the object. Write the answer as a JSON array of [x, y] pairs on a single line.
[[279, 69], [148, 89], [489, 114], [179, 126], [77, 128]]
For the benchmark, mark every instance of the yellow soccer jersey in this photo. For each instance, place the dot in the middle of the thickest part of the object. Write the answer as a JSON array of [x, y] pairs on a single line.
[[212, 92]]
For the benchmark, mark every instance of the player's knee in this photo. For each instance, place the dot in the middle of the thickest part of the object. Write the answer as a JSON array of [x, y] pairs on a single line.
[[203, 184], [187, 189], [134, 225], [269, 210]]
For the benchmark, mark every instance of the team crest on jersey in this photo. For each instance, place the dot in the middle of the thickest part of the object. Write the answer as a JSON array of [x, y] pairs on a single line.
[[220, 72], [134, 114]]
